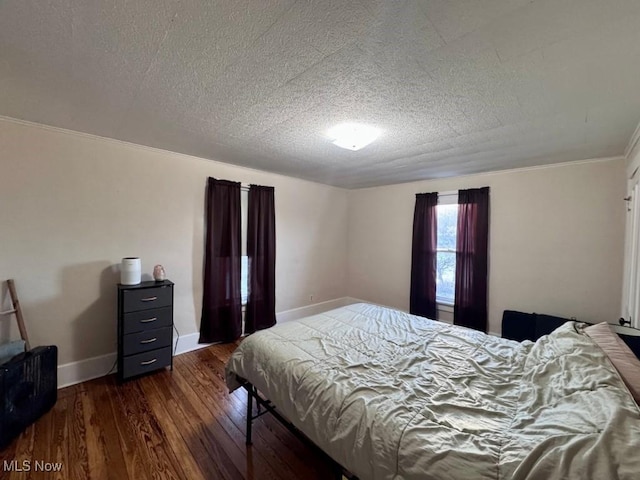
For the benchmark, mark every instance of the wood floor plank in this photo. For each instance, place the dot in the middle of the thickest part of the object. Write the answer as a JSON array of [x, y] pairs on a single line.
[[205, 434], [78, 461], [265, 451], [94, 438], [59, 447], [283, 443], [210, 372], [133, 456], [176, 428], [270, 444], [161, 460], [24, 446], [41, 443], [109, 438], [220, 434], [66, 392], [169, 425]]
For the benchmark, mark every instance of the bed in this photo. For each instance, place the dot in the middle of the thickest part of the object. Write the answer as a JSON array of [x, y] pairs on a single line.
[[389, 395]]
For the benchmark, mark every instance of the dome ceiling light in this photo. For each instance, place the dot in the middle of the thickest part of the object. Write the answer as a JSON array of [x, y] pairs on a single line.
[[353, 136]]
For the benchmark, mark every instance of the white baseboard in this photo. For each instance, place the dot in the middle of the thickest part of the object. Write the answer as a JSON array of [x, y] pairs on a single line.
[[189, 343], [83, 370], [95, 367], [308, 310]]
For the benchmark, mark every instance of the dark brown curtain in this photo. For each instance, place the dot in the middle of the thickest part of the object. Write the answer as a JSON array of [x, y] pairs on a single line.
[[261, 249], [222, 303], [423, 256], [470, 308]]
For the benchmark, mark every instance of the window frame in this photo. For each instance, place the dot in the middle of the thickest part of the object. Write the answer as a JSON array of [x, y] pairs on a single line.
[[446, 198], [631, 287]]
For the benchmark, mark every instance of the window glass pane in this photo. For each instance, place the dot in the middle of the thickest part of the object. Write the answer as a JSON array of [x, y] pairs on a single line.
[[447, 226], [446, 261], [446, 276], [244, 206], [244, 265], [244, 278]]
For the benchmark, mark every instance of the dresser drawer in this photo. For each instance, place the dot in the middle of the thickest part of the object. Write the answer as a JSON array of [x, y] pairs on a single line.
[[147, 320], [146, 362], [146, 298], [147, 340]]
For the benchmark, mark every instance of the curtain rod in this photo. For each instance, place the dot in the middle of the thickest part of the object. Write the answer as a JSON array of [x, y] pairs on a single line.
[[246, 186]]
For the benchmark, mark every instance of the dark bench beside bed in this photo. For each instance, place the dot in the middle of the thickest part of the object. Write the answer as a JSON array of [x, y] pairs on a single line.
[[531, 326]]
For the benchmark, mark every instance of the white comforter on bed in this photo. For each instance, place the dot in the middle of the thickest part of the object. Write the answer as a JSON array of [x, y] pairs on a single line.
[[394, 396]]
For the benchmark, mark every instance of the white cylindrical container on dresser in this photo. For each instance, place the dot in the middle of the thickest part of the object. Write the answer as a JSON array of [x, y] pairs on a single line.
[[130, 271]]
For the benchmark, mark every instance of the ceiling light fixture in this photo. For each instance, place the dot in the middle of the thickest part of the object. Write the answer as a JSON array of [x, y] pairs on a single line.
[[353, 136]]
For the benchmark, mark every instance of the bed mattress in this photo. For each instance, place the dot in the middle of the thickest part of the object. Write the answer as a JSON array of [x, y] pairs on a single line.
[[390, 395]]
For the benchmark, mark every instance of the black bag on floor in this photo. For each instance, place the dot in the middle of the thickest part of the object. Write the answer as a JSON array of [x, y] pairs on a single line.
[[28, 389]]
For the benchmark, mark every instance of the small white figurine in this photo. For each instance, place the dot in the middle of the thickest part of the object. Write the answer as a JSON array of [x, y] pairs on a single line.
[[159, 273]]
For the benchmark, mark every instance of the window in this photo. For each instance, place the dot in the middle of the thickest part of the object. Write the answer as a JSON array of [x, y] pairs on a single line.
[[244, 279], [244, 266], [447, 212]]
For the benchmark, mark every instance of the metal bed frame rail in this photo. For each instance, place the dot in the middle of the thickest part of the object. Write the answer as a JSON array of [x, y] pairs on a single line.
[[269, 407]]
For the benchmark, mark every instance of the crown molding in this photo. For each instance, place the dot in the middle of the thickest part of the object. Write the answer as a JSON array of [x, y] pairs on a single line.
[[634, 141]]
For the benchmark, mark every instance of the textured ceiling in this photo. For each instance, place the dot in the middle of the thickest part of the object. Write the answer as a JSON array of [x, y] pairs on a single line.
[[457, 86]]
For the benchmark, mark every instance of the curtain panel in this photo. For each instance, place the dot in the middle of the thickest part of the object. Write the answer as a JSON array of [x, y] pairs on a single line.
[[470, 308], [424, 256], [261, 249], [221, 319]]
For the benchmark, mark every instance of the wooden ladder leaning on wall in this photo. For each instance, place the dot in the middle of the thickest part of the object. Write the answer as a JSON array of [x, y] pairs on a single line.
[[17, 311]]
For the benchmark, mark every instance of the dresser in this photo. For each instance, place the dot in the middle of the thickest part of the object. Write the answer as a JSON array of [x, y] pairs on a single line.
[[145, 328]]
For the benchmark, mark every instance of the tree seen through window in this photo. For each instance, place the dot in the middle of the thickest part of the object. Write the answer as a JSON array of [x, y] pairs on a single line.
[[446, 252]]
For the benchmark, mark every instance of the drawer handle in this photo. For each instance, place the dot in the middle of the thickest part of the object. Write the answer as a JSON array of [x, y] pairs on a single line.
[[151, 340], [149, 320], [149, 362], [148, 299]]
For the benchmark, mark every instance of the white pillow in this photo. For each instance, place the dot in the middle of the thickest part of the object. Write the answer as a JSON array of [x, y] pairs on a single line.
[[620, 354]]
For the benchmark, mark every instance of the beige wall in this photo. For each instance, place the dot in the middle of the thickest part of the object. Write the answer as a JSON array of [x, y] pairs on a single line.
[[556, 240], [72, 205]]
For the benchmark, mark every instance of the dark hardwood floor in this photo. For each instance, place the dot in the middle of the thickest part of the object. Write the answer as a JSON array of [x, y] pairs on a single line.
[[176, 425]]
